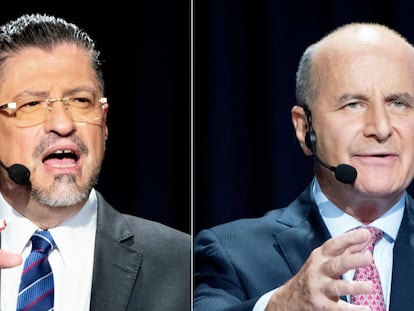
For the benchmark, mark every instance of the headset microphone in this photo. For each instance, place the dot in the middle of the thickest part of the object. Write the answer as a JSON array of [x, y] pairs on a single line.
[[18, 173], [344, 173]]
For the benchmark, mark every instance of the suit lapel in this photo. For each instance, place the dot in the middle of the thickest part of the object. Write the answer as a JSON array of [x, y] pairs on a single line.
[[116, 265], [305, 229], [402, 297]]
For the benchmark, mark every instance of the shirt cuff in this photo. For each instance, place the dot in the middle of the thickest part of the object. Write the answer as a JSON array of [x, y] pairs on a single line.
[[263, 301]]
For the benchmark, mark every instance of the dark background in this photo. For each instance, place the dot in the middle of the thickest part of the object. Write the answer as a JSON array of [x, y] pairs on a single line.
[[247, 159], [145, 46]]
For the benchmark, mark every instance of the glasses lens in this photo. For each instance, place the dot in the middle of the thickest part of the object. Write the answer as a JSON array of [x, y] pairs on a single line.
[[81, 109], [85, 109], [31, 113]]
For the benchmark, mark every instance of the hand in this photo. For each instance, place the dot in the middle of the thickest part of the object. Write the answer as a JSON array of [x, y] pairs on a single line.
[[317, 286], [9, 260]]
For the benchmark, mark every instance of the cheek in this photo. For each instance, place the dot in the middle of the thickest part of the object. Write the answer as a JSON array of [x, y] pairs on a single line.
[[336, 141], [96, 142], [13, 138], [332, 134], [406, 135], [20, 145]]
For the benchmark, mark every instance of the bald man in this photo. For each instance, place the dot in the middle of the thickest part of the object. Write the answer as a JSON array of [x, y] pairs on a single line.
[[354, 108]]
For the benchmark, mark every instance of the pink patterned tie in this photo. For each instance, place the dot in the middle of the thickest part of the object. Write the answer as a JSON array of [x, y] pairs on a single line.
[[374, 300]]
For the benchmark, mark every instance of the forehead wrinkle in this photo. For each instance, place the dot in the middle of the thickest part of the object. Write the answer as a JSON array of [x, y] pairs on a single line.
[[75, 90], [27, 93]]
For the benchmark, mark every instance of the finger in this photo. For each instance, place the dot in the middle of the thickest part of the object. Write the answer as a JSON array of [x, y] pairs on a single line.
[[347, 261], [353, 241], [341, 287], [9, 260]]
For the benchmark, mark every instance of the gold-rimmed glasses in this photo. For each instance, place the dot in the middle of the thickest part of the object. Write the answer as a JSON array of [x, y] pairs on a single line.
[[33, 111]]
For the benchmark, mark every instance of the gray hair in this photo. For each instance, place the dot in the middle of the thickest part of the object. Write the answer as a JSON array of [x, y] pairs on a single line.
[[306, 91], [45, 32]]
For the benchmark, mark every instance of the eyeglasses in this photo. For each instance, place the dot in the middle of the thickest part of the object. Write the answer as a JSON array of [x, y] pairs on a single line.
[[30, 112]]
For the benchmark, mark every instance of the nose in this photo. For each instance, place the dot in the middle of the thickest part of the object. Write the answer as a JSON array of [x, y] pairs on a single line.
[[58, 118], [378, 122]]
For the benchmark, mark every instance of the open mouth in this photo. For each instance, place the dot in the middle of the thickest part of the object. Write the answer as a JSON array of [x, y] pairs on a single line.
[[61, 155]]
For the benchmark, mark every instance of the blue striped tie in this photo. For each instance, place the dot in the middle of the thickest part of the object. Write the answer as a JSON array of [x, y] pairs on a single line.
[[36, 292]]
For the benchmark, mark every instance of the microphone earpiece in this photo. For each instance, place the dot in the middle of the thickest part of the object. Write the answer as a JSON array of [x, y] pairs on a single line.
[[310, 140], [344, 173], [310, 137]]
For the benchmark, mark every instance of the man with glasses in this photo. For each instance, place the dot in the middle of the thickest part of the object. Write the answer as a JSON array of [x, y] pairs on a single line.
[[53, 131]]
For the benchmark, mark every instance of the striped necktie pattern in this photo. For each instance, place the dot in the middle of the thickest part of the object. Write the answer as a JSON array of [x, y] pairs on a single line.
[[36, 291]]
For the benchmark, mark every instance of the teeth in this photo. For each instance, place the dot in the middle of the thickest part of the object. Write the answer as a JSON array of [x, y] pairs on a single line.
[[64, 151]]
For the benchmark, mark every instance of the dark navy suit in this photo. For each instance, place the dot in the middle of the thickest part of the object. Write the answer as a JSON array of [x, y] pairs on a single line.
[[236, 263]]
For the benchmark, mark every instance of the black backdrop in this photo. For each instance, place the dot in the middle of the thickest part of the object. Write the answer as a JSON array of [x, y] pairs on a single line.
[[145, 46], [247, 159]]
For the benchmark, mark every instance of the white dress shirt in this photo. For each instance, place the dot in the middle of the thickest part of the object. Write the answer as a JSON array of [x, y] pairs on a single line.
[[338, 222], [71, 262]]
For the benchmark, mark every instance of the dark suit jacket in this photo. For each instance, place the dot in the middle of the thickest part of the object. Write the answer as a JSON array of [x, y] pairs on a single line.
[[237, 262], [139, 265]]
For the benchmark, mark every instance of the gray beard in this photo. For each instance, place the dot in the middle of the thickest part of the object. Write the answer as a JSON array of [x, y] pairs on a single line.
[[63, 192]]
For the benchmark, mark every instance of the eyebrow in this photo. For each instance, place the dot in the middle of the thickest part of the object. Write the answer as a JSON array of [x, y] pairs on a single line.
[[403, 96], [47, 93], [348, 96]]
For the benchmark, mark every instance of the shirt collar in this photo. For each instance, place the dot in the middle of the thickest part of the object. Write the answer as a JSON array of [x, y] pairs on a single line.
[[82, 226], [339, 222]]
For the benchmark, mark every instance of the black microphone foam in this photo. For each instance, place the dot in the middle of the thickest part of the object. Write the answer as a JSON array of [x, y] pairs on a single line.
[[19, 173], [345, 173]]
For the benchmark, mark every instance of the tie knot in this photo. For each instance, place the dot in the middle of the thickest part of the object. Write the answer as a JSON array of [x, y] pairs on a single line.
[[42, 241], [376, 235]]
